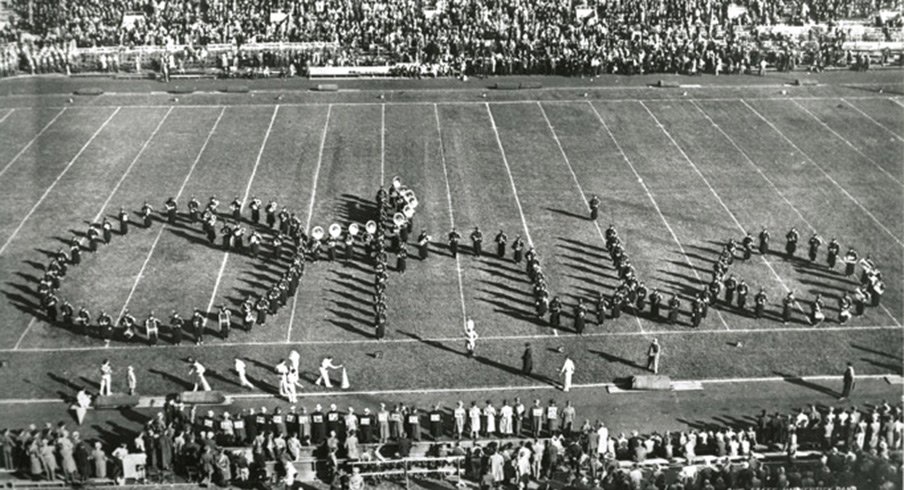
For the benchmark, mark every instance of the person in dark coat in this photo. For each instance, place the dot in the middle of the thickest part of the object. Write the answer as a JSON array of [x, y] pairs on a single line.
[[579, 313], [848, 382], [527, 360]]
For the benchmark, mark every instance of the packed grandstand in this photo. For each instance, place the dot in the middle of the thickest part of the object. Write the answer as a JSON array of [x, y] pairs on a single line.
[[255, 38]]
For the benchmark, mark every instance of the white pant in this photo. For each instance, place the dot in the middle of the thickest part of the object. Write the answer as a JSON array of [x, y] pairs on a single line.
[[243, 379], [325, 377], [105, 385], [567, 385], [202, 382]]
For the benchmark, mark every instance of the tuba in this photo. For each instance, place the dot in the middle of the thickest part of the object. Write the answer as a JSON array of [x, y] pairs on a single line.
[[371, 227], [317, 233], [335, 230], [399, 219], [353, 229]]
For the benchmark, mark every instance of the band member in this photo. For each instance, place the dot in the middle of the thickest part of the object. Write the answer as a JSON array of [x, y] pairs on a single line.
[[107, 228], [272, 206], [146, 210], [224, 318], [580, 311], [402, 260], [747, 245], [151, 328], [786, 307], [477, 241], [655, 302], [518, 249], [123, 217], [833, 250], [170, 207], [844, 309], [255, 210], [470, 337], [176, 324], [454, 237], [236, 207], [423, 244], [197, 325], [743, 290], [791, 242], [501, 240], [815, 242], [555, 312], [764, 241], [759, 302], [194, 209], [674, 309], [594, 207], [850, 261]]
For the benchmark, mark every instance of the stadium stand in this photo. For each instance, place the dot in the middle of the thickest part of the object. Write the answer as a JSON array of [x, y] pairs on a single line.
[[248, 38], [813, 447]]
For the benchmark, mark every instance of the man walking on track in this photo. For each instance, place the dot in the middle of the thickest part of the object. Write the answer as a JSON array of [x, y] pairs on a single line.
[[653, 356], [567, 371], [849, 381], [240, 371]]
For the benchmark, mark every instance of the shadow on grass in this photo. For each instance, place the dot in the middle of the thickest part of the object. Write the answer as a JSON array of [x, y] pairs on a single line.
[[877, 352], [614, 358], [185, 385], [798, 381], [569, 214]]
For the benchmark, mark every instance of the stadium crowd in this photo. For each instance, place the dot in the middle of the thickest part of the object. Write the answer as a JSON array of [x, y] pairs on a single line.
[[513, 444], [450, 37]]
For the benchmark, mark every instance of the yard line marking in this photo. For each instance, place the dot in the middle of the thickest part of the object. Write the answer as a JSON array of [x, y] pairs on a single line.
[[715, 194], [257, 161], [25, 332], [11, 111], [895, 100], [382, 144], [498, 338], [191, 170], [32, 141], [132, 164], [768, 180], [511, 178], [847, 142], [442, 154], [307, 225], [871, 118], [833, 181], [653, 201], [326, 125], [57, 180], [577, 184]]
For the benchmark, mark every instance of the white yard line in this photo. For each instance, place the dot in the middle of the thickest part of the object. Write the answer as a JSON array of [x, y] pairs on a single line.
[[131, 164], [31, 142], [871, 118], [191, 170], [508, 170], [829, 177], [895, 100], [715, 194], [770, 182], [257, 161], [382, 144], [442, 154], [57, 180], [577, 183], [10, 113], [31, 323], [497, 338], [653, 201], [307, 225], [847, 142]]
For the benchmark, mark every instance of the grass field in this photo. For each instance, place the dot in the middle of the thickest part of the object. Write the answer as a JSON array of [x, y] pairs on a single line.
[[678, 175]]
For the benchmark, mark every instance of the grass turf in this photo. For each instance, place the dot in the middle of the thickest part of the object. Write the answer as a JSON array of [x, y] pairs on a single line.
[[760, 178]]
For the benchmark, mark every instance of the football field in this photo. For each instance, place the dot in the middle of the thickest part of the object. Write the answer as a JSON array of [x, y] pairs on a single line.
[[679, 171]]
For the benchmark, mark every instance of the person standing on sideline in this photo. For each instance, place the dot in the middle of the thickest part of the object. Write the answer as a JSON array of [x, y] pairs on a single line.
[[131, 380], [653, 356], [527, 360], [848, 381], [240, 371], [325, 365], [106, 378], [82, 402], [567, 371], [470, 337]]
